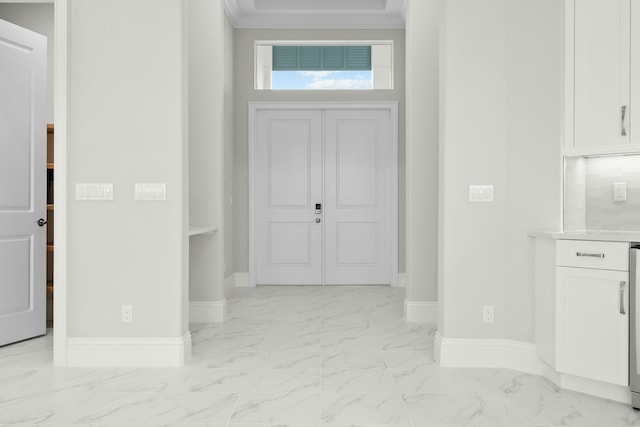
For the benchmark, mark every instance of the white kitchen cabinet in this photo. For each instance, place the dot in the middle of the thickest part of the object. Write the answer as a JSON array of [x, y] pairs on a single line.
[[592, 323], [602, 76]]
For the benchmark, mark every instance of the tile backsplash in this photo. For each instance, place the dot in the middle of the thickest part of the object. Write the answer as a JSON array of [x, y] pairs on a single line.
[[589, 201]]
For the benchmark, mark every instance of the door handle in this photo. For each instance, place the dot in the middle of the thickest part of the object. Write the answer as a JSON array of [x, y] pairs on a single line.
[[622, 284], [623, 113], [41, 222], [592, 255], [318, 220]]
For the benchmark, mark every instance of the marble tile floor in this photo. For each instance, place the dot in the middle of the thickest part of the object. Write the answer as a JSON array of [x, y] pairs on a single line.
[[294, 357]]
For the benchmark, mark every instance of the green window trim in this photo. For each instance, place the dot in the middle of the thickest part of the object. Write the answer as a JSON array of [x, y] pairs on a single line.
[[321, 58]]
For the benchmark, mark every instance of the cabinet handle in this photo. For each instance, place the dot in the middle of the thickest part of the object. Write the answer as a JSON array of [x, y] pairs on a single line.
[[622, 284], [623, 112], [589, 255]]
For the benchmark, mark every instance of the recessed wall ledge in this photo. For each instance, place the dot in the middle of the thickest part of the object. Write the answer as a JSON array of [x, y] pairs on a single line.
[[602, 235]]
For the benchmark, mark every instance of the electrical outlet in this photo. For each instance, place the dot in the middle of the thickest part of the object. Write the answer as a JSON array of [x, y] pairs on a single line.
[[487, 314], [127, 314]]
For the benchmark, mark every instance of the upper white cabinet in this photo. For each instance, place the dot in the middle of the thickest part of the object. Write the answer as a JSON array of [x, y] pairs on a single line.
[[602, 76]]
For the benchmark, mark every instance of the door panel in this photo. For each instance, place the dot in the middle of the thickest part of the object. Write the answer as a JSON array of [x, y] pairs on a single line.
[[634, 49], [358, 197], [356, 243], [356, 160], [22, 183], [288, 185], [601, 71], [593, 324], [290, 243], [14, 264]]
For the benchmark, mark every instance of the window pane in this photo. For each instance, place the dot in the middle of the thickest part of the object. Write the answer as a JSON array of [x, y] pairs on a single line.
[[310, 57], [333, 58], [322, 80], [358, 57], [285, 57]]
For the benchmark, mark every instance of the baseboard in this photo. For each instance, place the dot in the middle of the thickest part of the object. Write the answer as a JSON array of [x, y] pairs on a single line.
[[207, 311], [241, 280], [519, 356], [437, 346], [129, 352], [402, 281], [595, 388], [490, 353], [421, 311]]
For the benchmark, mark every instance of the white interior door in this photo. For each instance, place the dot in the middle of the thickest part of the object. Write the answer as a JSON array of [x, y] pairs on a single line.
[[22, 183], [358, 196], [288, 184]]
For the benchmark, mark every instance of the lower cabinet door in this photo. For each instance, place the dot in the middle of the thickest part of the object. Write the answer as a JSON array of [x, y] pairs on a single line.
[[593, 324]]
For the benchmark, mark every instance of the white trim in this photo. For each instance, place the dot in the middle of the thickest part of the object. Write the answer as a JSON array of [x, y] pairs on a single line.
[[402, 281], [420, 311], [490, 353], [61, 17], [392, 106], [208, 311], [519, 356], [241, 280], [595, 388], [143, 352], [437, 346]]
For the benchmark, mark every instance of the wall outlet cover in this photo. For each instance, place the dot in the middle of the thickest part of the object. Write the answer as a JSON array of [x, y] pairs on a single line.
[[150, 191], [487, 314], [94, 191], [619, 191], [127, 314], [481, 193]]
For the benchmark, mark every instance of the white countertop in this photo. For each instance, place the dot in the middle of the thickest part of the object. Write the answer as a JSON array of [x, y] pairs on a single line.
[[603, 235]]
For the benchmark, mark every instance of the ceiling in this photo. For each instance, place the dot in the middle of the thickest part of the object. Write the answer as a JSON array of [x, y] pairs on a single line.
[[316, 13]]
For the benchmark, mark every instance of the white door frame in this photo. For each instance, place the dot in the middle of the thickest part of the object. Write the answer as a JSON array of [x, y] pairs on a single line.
[[254, 107], [61, 20]]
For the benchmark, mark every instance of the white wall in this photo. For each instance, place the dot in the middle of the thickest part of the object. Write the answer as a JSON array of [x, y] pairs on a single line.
[[229, 135], [245, 93], [501, 89], [206, 147], [422, 149], [126, 116], [39, 18]]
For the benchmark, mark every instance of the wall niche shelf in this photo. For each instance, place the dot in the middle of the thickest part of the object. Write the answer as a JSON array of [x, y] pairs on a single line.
[[196, 230]]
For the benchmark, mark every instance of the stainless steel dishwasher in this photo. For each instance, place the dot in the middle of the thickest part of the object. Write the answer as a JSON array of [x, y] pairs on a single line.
[[634, 327]]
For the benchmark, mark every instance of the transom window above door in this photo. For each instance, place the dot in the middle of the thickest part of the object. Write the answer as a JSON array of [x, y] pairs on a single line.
[[320, 65]]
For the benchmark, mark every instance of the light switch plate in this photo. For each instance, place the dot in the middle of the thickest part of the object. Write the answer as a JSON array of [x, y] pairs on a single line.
[[481, 193], [619, 191], [151, 191], [94, 191]]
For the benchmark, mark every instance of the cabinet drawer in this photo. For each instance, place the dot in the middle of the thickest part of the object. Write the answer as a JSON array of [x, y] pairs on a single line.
[[593, 254]]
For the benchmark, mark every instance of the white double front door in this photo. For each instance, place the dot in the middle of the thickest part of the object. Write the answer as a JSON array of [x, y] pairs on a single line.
[[324, 196]]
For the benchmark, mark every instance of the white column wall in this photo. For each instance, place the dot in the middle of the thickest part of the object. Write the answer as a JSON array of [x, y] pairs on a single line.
[[422, 100], [126, 124]]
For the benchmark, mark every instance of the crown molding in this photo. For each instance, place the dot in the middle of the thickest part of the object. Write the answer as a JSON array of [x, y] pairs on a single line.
[[243, 14]]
